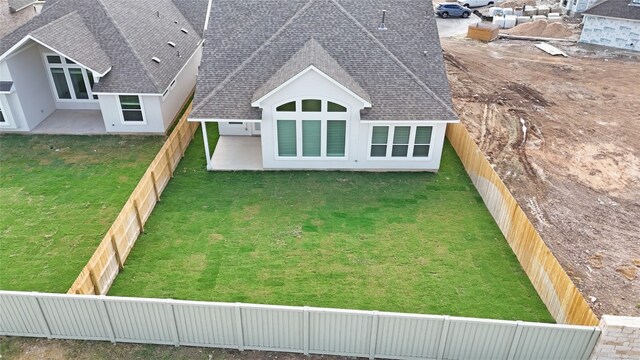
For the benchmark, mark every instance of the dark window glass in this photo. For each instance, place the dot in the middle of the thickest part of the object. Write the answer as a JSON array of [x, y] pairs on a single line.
[[311, 105], [333, 107], [60, 82], [290, 106]]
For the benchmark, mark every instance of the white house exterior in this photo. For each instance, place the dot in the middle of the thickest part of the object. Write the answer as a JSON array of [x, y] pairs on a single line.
[[613, 23], [572, 7], [131, 64], [376, 100]]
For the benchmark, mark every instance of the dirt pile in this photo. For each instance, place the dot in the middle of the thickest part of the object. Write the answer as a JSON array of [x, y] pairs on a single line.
[[540, 28], [517, 3]]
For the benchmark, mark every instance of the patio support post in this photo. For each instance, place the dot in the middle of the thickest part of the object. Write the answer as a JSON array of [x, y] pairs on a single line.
[[205, 137]]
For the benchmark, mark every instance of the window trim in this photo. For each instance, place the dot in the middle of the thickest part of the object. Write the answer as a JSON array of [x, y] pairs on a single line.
[[8, 117], [131, 123], [64, 64], [412, 140], [323, 115]]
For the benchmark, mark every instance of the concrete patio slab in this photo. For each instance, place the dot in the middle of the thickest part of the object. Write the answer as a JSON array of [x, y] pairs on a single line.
[[233, 153], [72, 122]]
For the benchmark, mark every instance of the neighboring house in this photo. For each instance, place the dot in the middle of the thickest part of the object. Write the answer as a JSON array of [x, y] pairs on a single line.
[[127, 65], [572, 7], [17, 5], [324, 84], [613, 23]]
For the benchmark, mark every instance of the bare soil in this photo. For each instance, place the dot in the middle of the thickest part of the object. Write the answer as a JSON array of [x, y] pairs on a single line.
[[12, 348], [564, 135]]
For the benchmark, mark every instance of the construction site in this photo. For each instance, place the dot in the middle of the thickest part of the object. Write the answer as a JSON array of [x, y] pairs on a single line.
[[562, 132]]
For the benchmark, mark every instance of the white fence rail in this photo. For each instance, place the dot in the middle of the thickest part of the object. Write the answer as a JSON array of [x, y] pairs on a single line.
[[284, 328]]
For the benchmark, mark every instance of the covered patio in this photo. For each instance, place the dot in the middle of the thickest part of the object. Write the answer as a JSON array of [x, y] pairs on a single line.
[[72, 122], [236, 153]]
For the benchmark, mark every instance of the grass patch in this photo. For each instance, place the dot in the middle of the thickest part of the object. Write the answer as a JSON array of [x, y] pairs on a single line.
[[407, 242], [59, 196]]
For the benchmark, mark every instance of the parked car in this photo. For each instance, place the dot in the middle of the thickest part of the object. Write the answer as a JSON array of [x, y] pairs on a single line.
[[446, 10], [475, 3]]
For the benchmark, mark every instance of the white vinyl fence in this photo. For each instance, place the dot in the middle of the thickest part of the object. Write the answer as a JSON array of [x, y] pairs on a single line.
[[285, 328]]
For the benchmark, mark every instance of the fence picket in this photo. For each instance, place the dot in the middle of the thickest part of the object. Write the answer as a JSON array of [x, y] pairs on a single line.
[[324, 331], [555, 288]]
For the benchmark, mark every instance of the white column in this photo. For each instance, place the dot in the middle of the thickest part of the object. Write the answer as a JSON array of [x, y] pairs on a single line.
[[207, 153]]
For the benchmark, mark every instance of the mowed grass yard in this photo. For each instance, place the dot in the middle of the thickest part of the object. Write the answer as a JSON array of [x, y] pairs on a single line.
[[58, 197], [406, 242]]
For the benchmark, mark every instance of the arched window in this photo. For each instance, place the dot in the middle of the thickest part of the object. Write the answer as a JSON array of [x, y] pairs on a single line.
[[311, 128]]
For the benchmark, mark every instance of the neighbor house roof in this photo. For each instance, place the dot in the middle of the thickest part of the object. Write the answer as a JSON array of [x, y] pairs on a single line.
[[71, 37], [622, 9], [400, 70], [17, 5], [124, 35]]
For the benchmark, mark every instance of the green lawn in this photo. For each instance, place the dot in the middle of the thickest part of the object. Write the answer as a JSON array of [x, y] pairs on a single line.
[[407, 242], [58, 197]]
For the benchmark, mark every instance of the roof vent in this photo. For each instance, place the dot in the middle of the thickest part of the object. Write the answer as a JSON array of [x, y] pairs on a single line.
[[175, 21], [184, 30], [158, 13], [156, 59], [172, 44], [382, 25]]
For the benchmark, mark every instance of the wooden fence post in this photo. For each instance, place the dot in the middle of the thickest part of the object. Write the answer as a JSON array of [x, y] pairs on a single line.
[[155, 186], [138, 217], [166, 153], [182, 149], [95, 282], [117, 252]]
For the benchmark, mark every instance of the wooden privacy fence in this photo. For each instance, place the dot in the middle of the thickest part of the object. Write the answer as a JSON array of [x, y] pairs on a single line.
[[560, 295], [286, 328], [108, 259]]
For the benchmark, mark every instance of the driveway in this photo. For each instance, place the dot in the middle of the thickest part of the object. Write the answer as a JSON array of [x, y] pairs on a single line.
[[455, 26]]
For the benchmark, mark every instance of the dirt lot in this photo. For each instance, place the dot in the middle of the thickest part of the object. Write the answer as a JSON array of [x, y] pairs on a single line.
[[564, 134]]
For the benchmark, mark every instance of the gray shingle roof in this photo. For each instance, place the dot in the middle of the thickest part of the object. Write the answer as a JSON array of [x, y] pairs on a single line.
[[311, 53], [5, 86], [401, 68], [195, 11], [17, 5], [615, 8], [71, 37], [129, 33]]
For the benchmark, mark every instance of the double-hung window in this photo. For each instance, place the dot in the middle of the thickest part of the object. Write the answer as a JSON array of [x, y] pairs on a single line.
[[3, 120], [311, 128], [400, 141], [131, 109], [70, 80]]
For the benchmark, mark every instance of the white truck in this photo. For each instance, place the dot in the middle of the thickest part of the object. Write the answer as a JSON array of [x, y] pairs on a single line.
[[476, 3]]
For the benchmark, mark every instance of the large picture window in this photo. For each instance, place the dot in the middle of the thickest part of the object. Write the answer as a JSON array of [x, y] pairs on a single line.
[[131, 109], [311, 128], [402, 141], [70, 80]]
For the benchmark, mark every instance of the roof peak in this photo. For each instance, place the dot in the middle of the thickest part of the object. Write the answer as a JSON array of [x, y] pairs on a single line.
[[311, 54]]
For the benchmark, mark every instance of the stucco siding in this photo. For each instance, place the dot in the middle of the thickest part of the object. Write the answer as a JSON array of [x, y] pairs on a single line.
[[311, 85], [112, 114], [33, 99], [617, 33], [178, 93]]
